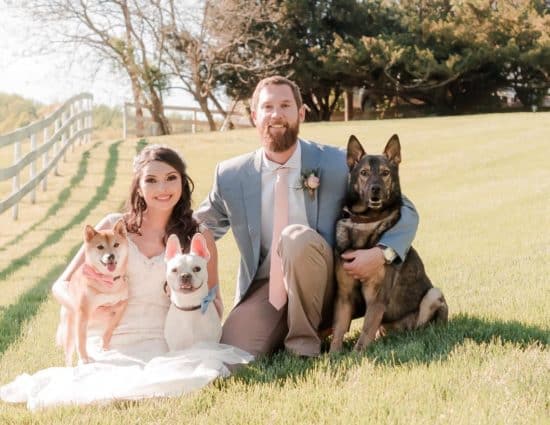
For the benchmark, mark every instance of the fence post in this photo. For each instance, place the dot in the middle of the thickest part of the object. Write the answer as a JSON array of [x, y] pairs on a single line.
[[45, 159], [91, 109], [64, 136], [15, 181], [33, 168], [79, 122], [56, 145]]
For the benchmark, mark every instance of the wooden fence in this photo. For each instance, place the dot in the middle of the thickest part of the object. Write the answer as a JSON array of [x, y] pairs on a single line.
[[194, 122], [70, 123]]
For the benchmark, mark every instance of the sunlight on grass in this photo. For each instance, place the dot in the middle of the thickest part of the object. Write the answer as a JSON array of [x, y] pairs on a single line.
[[480, 184]]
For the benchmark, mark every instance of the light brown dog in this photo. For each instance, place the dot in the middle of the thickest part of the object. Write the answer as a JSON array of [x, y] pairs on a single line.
[[99, 282]]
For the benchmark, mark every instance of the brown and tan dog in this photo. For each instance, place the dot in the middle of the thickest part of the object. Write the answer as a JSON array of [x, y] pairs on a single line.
[[99, 282], [401, 296]]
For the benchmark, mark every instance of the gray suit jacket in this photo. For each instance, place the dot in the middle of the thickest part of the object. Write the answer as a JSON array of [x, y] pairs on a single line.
[[235, 202]]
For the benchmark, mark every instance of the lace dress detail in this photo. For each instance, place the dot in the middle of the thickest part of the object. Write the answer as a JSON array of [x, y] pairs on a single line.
[[138, 364]]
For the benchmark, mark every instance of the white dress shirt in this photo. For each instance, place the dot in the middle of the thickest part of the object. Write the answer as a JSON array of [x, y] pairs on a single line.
[[296, 203]]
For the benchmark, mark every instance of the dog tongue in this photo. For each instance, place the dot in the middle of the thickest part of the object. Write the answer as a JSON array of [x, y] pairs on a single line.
[[111, 267]]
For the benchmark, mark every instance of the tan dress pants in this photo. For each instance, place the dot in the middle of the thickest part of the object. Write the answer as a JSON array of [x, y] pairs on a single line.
[[256, 326]]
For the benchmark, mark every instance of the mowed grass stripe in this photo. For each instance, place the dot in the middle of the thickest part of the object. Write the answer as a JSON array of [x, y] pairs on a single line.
[[16, 315], [62, 197], [101, 193]]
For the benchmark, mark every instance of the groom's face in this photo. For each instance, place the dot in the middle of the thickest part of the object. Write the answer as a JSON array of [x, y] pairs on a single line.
[[277, 117]]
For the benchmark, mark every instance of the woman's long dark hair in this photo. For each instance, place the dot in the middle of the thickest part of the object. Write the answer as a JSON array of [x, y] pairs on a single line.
[[181, 221]]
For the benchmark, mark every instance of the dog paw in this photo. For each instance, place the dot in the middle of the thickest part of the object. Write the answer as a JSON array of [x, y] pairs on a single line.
[[381, 332]]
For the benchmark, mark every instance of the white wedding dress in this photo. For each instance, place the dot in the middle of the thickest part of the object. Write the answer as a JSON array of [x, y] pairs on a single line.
[[137, 365]]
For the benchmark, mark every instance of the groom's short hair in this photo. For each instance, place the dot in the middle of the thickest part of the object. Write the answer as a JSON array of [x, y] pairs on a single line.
[[280, 81]]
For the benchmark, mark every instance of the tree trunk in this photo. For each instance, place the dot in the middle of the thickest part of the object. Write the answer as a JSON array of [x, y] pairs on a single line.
[[136, 93], [348, 108], [203, 103], [157, 113]]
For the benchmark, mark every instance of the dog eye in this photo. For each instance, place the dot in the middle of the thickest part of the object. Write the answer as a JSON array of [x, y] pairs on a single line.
[[116, 245], [385, 173], [364, 173], [100, 247], [174, 270], [196, 269]]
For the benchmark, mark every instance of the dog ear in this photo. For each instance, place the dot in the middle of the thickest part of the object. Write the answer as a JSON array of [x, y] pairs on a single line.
[[89, 233], [120, 228], [173, 247], [392, 151], [355, 152], [198, 246]]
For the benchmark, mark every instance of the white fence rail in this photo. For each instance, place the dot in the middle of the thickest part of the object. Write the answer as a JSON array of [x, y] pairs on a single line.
[[70, 123]]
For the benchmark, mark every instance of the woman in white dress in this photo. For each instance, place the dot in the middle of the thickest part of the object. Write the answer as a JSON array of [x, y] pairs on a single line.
[[137, 364]]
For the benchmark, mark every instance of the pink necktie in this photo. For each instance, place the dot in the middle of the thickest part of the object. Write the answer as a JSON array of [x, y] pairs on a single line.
[[277, 287]]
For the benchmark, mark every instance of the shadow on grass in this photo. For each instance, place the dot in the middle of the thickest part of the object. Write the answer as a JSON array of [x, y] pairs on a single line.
[[102, 191], [434, 343], [62, 198], [13, 317]]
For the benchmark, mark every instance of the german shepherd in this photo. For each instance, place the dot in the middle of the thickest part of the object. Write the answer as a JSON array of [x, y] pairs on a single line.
[[400, 296]]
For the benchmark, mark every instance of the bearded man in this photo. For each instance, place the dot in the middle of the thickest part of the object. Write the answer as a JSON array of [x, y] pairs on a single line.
[[281, 203]]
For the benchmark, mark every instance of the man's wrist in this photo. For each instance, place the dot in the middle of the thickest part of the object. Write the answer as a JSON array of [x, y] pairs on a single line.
[[389, 253]]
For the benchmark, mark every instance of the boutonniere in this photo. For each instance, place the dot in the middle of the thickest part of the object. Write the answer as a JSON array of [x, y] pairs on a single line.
[[310, 181]]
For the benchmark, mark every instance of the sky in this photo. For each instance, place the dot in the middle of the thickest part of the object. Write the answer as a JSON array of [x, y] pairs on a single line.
[[54, 78]]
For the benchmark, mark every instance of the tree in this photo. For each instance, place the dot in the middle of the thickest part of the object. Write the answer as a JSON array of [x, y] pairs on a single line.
[[218, 45], [431, 53], [118, 33]]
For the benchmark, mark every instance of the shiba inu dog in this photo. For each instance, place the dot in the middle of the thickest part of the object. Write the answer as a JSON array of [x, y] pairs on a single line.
[[99, 282], [401, 296], [192, 316]]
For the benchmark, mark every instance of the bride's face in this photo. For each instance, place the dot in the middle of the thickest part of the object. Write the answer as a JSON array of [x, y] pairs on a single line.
[[160, 185]]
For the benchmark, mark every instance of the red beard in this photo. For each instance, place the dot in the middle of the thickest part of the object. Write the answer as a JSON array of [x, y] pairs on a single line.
[[281, 142]]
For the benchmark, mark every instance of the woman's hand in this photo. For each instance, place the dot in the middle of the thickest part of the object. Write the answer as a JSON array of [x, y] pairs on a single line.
[[60, 290]]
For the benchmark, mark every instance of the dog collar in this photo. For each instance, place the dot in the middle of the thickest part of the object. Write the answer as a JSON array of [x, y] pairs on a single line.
[[358, 218], [92, 273], [204, 303]]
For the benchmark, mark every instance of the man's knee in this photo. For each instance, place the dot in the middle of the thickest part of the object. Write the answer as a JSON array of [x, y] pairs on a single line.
[[299, 241]]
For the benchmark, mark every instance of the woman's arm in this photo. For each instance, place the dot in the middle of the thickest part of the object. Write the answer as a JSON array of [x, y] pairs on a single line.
[[60, 288], [213, 278]]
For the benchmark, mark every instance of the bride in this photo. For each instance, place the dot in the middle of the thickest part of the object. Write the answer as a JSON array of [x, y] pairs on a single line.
[[138, 364]]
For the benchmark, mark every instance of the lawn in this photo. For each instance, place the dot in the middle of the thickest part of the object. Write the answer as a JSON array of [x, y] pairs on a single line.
[[481, 185]]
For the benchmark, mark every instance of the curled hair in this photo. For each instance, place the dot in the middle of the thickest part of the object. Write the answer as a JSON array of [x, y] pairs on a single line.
[[181, 221]]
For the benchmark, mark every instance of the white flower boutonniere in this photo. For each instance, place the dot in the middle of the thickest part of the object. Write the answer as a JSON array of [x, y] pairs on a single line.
[[310, 182]]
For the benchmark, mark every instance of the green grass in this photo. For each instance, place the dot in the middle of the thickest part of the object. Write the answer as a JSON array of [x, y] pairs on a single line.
[[62, 198], [55, 236], [480, 184]]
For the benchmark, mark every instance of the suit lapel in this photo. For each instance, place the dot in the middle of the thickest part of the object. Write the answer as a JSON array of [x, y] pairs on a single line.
[[251, 184], [311, 159]]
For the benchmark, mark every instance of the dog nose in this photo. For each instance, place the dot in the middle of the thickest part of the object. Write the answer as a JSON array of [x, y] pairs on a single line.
[[375, 189], [185, 278], [111, 257]]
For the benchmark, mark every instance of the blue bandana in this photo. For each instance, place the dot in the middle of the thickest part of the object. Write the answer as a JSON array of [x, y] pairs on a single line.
[[208, 299]]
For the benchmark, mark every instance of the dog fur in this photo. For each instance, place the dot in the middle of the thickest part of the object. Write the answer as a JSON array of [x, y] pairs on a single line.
[[106, 254], [400, 296], [187, 285]]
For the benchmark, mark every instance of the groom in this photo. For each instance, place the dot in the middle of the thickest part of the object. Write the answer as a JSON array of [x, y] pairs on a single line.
[[285, 288]]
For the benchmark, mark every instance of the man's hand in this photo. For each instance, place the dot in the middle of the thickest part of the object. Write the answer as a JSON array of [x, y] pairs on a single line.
[[363, 263]]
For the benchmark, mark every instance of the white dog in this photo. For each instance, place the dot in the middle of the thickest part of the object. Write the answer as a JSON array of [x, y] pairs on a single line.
[[192, 316]]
